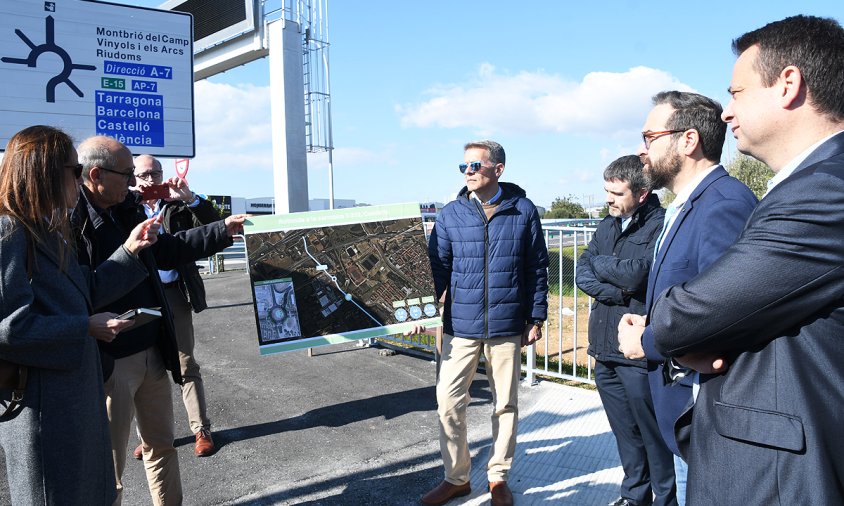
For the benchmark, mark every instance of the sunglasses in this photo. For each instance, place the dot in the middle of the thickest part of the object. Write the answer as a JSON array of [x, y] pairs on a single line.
[[471, 166], [77, 170]]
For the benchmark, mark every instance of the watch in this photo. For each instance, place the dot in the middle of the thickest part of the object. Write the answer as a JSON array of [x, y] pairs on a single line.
[[538, 323]]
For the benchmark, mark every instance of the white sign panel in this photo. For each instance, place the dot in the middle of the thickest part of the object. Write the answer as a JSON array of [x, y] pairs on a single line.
[[94, 68]]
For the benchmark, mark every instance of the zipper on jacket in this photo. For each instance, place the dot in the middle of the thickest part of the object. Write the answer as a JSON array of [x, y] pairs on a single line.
[[486, 265]]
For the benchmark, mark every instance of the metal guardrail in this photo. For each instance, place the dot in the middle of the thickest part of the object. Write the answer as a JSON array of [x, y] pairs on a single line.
[[562, 352], [231, 258]]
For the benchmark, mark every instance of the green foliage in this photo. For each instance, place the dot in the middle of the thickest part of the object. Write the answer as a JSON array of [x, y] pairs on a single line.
[[567, 267], [752, 172], [566, 207], [667, 197], [604, 211]]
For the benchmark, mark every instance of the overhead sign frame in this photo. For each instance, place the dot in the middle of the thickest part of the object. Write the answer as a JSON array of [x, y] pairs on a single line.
[[99, 68]]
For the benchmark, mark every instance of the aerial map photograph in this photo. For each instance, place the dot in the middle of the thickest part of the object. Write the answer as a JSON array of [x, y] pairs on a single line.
[[345, 275]]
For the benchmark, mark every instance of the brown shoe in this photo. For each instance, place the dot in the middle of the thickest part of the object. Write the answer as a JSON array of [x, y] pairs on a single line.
[[445, 492], [501, 495], [204, 444], [139, 452]]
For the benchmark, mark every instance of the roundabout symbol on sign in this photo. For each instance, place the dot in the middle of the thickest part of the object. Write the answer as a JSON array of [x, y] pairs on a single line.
[[50, 47]]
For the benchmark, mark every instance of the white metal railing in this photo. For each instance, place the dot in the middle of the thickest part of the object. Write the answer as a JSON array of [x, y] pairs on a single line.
[[562, 353], [231, 258]]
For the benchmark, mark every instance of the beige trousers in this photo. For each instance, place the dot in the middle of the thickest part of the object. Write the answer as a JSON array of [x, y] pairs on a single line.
[[460, 359], [193, 392], [140, 387]]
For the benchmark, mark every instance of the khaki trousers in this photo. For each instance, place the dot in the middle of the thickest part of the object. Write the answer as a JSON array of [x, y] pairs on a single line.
[[139, 387], [459, 362], [193, 391]]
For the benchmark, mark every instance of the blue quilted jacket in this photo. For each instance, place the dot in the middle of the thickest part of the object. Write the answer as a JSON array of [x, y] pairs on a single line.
[[494, 272]]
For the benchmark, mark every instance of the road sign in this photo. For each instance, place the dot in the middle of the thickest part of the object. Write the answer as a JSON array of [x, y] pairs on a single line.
[[94, 68]]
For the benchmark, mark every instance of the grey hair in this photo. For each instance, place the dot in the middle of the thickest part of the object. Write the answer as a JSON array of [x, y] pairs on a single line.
[[94, 152], [496, 152]]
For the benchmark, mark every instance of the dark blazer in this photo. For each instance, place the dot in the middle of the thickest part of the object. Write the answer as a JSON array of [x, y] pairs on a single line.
[[613, 270], [768, 431], [707, 224]]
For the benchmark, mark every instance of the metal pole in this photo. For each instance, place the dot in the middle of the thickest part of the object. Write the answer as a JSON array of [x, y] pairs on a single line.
[[328, 104]]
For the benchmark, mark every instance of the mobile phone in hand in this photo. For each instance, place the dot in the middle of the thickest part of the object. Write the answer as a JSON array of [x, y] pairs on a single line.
[[154, 191]]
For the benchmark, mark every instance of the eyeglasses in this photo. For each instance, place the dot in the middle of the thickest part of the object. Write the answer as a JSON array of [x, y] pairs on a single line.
[[127, 175], [153, 174], [473, 166], [77, 170], [649, 137]]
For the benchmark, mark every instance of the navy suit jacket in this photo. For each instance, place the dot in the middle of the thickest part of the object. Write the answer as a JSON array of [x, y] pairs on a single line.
[[706, 225], [768, 431]]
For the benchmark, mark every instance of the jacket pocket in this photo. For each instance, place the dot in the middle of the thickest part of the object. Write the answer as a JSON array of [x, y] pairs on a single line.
[[766, 428]]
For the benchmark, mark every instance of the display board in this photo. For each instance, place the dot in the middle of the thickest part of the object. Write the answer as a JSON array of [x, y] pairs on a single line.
[[94, 68], [327, 277]]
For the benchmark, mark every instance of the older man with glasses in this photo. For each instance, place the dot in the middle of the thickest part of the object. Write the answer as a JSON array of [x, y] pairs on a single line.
[[183, 287], [136, 362], [489, 262]]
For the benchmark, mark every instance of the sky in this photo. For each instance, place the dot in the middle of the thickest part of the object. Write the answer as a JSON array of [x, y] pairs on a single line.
[[563, 86]]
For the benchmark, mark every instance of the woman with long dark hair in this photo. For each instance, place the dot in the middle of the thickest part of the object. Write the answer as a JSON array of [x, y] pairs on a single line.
[[56, 440]]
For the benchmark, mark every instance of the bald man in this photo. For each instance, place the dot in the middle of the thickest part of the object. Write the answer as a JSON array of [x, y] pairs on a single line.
[[184, 289]]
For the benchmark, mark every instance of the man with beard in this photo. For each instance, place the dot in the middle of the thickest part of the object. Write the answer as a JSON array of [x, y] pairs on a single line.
[[769, 314], [681, 148], [613, 270]]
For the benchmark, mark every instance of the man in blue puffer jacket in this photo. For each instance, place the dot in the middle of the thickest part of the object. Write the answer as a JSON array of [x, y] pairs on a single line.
[[489, 261]]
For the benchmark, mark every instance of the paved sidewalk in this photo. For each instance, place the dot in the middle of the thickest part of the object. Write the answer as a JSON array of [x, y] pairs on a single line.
[[566, 454]]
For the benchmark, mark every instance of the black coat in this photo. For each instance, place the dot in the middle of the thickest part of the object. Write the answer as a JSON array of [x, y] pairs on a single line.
[[100, 232], [613, 270], [177, 217]]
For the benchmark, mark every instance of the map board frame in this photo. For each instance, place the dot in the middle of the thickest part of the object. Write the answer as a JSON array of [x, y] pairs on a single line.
[[99, 68], [347, 274]]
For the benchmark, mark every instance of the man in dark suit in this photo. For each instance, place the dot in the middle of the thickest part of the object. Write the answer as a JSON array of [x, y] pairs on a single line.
[[613, 270], [769, 313], [682, 140]]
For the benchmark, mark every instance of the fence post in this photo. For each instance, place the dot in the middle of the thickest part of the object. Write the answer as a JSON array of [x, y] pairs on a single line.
[[530, 375]]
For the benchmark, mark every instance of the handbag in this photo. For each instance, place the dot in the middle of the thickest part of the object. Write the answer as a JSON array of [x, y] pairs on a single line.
[[14, 376]]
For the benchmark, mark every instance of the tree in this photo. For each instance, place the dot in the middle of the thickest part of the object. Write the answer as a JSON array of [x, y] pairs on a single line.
[[752, 172], [566, 207]]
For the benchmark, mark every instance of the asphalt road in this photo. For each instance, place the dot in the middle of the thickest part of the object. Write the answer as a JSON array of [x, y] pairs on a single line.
[[347, 426]]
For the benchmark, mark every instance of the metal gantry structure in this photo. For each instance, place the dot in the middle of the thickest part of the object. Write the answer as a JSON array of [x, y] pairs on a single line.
[[312, 18]]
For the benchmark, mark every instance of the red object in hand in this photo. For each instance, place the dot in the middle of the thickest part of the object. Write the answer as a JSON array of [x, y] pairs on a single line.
[[154, 191]]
